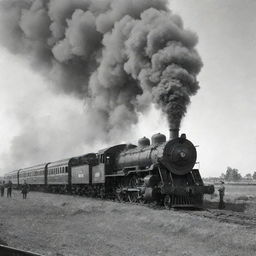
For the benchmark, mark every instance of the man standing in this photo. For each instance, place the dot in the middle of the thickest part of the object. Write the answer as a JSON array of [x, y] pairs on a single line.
[[9, 189], [2, 188], [222, 193], [24, 189]]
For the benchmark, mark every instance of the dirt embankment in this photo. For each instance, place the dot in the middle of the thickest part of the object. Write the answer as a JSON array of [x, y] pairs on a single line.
[[65, 225]]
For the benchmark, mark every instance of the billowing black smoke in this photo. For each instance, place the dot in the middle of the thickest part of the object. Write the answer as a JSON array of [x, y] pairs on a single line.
[[117, 55]]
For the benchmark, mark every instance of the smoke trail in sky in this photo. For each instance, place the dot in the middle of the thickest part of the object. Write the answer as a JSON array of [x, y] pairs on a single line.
[[120, 56]]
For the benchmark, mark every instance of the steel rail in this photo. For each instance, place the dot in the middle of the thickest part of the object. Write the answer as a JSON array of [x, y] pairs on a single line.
[[10, 251]]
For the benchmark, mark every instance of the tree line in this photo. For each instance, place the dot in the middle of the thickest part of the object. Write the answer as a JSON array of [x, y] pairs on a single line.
[[232, 174]]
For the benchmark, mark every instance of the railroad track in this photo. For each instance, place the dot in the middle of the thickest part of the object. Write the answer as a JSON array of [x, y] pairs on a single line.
[[229, 217], [226, 216], [10, 251]]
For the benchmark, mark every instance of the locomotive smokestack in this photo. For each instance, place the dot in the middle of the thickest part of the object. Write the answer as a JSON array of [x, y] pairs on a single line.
[[174, 133]]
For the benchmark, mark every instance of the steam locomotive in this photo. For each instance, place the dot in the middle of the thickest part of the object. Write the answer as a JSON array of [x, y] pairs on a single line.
[[160, 171]]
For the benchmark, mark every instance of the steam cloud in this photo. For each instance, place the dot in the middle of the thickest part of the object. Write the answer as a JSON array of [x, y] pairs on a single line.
[[117, 55]]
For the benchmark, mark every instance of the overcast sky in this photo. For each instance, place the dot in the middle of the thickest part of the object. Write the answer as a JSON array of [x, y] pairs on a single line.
[[220, 118]]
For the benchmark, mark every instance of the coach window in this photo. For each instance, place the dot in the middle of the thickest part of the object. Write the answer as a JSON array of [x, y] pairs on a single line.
[[102, 158]]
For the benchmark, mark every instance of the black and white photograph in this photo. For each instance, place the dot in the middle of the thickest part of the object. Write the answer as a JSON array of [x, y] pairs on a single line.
[[127, 127]]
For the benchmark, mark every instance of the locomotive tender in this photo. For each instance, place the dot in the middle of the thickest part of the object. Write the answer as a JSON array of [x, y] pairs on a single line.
[[161, 171]]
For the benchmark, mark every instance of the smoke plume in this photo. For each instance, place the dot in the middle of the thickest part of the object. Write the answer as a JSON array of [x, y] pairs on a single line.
[[117, 55]]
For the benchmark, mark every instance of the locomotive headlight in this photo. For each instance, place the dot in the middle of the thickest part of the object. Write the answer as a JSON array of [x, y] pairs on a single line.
[[182, 154]]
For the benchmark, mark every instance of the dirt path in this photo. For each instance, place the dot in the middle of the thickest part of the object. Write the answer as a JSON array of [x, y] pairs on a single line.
[[66, 225]]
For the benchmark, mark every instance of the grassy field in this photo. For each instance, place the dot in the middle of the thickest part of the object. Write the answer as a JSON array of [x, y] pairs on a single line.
[[63, 225], [240, 190]]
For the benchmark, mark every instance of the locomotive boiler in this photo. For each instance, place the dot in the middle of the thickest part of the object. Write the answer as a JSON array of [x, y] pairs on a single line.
[[178, 154]]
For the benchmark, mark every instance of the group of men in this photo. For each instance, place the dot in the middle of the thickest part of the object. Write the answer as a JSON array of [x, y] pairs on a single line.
[[8, 186]]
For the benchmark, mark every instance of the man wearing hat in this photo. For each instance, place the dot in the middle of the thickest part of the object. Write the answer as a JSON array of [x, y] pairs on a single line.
[[222, 193]]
